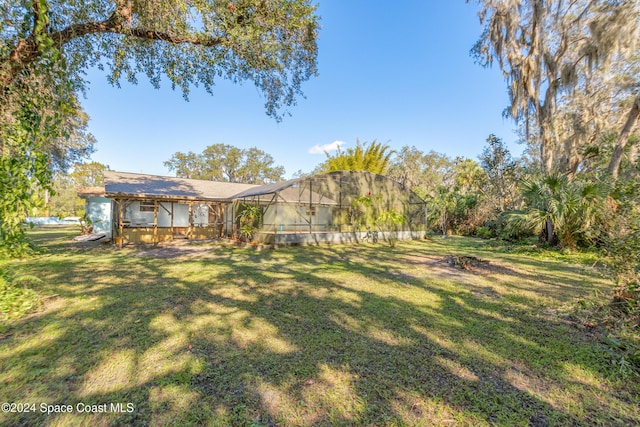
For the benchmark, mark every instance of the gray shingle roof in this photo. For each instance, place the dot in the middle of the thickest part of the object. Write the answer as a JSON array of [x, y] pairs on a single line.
[[85, 192], [260, 190], [124, 184]]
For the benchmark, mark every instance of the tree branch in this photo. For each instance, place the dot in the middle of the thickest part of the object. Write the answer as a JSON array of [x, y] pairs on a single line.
[[26, 50], [169, 38], [623, 138]]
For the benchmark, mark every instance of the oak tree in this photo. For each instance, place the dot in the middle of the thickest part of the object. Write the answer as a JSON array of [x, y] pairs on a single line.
[[223, 162], [545, 49], [269, 42]]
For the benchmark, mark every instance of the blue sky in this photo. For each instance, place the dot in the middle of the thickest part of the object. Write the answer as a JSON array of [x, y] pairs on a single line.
[[396, 72]]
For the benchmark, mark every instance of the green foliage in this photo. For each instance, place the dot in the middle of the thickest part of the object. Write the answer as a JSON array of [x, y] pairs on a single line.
[[484, 232], [452, 210], [249, 219], [423, 173], [370, 210], [622, 246], [624, 356], [502, 174], [390, 220], [440, 206], [272, 44], [24, 172], [17, 298], [41, 125], [65, 200], [363, 210], [558, 209], [222, 162], [374, 157], [88, 174], [622, 243], [86, 225]]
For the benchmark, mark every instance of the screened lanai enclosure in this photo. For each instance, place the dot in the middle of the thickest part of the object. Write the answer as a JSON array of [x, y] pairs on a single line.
[[344, 206]]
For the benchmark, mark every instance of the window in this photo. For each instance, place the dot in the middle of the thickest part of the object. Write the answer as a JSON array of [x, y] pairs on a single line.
[[146, 206]]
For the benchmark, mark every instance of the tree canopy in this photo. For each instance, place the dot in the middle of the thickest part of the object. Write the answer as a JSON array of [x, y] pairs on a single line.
[[271, 43], [551, 53], [421, 172], [222, 162], [64, 201]]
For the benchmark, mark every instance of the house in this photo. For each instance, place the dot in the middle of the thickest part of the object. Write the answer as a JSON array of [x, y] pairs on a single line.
[[139, 208], [334, 207]]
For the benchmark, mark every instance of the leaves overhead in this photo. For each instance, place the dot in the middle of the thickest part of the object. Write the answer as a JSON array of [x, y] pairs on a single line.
[[269, 42]]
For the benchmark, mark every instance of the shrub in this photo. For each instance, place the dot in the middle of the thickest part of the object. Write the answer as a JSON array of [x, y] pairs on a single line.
[[560, 211], [483, 232], [390, 220], [249, 218]]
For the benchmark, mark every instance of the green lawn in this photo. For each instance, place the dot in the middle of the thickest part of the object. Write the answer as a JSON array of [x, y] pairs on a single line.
[[214, 334]]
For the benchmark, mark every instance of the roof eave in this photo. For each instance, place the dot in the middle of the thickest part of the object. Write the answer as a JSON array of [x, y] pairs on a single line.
[[139, 196]]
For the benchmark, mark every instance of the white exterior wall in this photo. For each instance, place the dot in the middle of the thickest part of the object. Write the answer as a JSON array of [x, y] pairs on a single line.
[[99, 210], [295, 217]]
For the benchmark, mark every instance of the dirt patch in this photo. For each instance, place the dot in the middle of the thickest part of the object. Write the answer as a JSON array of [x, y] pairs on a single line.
[[173, 252], [177, 249], [485, 292], [465, 262], [192, 249]]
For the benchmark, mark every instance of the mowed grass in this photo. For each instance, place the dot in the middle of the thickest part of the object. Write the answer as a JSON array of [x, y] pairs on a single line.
[[213, 334]]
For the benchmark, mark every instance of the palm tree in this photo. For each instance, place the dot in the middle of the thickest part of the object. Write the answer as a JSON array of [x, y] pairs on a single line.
[[560, 210]]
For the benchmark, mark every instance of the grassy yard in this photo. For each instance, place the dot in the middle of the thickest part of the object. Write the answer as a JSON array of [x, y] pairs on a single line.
[[212, 334]]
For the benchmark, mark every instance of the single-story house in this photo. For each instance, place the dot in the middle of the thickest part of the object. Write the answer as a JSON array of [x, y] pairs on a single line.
[[334, 207]]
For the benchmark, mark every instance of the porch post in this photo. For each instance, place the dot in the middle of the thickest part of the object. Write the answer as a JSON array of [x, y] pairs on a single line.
[[340, 206], [120, 224], [190, 233], [310, 207], [172, 231], [155, 222]]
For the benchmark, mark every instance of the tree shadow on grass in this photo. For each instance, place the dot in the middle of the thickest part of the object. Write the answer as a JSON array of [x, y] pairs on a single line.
[[294, 338]]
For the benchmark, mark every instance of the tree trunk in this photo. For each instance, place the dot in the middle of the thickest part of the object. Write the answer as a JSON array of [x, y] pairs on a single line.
[[633, 152], [623, 139], [550, 232], [444, 224]]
